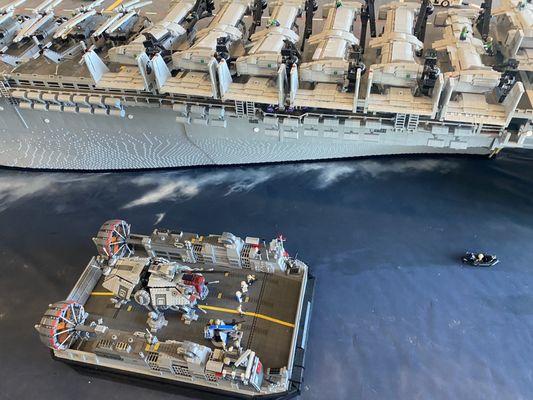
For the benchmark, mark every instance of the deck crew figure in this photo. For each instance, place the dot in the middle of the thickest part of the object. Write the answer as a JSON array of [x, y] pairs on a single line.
[[250, 279], [464, 32], [489, 46], [238, 296]]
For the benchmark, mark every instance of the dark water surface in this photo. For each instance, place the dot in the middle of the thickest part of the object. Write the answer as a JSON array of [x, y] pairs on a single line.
[[395, 316]]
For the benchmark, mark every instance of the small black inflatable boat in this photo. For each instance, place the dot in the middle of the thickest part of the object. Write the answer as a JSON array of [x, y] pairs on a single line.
[[480, 259]]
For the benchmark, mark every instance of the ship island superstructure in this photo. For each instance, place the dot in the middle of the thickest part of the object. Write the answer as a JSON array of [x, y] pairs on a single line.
[[134, 84], [197, 332]]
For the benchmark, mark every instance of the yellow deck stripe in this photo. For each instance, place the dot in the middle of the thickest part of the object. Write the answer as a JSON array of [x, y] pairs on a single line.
[[267, 318], [114, 5], [248, 313], [222, 309]]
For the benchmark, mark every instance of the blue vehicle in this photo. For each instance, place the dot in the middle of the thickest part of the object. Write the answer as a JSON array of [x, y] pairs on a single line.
[[222, 334]]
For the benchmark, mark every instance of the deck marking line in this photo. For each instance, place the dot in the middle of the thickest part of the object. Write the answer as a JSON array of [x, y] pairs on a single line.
[[222, 309], [248, 313], [114, 5]]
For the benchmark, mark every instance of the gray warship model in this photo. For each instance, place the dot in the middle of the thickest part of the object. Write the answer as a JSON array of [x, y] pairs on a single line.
[[133, 84], [215, 312]]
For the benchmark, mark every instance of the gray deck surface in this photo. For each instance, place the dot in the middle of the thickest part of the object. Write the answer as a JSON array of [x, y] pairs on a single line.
[[272, 295]]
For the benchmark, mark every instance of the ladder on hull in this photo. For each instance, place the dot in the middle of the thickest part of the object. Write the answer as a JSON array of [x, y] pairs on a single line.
[[244, 109], [239, 108], [5, 92], [412, 122], [406, 122], [250, 108], [399, 122]]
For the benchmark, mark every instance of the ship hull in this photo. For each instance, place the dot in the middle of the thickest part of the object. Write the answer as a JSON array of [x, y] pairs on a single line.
[[152, 138]]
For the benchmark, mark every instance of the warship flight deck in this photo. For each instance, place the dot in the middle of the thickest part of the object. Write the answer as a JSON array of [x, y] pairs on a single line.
[[102, 85], [215, 313]]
